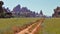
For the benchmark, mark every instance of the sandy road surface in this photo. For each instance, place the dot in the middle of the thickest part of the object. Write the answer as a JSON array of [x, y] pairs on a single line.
[[37, 25]]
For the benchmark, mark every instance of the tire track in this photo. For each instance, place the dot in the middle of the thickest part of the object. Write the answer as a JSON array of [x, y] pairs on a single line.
[[30, 29]]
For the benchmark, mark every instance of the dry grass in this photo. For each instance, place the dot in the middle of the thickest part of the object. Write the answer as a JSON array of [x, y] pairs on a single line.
[[7, 24]]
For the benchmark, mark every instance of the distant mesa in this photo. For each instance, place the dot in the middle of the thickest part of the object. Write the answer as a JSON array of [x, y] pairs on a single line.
[[24, 9], [17, 8], [25, 12], [56, 12], [18, 11]]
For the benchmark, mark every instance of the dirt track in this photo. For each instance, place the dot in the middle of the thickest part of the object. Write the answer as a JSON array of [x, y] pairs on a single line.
[[32, 29]]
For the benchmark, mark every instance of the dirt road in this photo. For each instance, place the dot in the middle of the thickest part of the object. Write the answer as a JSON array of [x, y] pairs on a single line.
[[32, 29]]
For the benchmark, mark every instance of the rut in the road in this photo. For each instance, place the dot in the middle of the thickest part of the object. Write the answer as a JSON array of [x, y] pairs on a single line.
[[30, 28]]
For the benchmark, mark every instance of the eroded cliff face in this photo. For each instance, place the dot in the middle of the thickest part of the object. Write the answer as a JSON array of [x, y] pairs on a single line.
[[56, 12], [1, 10]]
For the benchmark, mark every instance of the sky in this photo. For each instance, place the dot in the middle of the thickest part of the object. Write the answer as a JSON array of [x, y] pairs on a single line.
[[46, 6]]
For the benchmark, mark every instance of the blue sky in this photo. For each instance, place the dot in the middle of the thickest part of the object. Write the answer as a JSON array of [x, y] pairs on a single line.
[[46, 6]]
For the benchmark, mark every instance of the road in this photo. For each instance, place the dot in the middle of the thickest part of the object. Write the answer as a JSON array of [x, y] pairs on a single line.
[[32, 29]]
